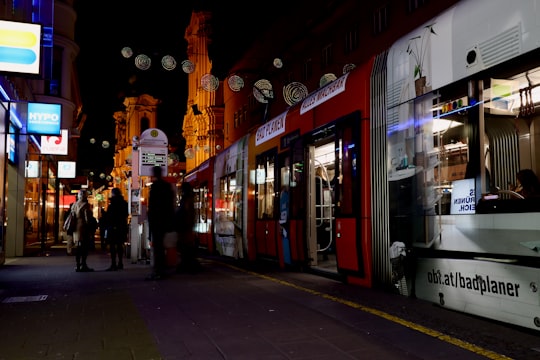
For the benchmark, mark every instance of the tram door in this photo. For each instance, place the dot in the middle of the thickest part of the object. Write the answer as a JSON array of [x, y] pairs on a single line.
[[321, 182]]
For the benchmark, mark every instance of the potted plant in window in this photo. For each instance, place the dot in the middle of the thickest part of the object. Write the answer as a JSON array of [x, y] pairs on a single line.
[[417, 48]]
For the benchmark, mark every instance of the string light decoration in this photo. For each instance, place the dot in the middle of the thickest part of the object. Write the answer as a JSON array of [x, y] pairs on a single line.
[[127, 52], [236, 83], [188, 67], [143, 62], [327, 78], [209, 82], [347, 68], [168, 62], [189, 153], [263, 91], [278, 64], [294, 92]]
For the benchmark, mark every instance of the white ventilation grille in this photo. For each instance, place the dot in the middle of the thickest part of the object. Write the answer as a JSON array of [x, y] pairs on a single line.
[[502, 47], [393, 97]]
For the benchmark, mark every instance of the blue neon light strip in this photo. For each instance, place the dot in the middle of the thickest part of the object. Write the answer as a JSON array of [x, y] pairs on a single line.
[[15, 118]]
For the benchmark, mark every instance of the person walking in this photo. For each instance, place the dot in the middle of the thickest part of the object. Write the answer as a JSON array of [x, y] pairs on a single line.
[[184, 222], [161, 208], [102, 225], [69, 235], [82, 236], [117, 228]]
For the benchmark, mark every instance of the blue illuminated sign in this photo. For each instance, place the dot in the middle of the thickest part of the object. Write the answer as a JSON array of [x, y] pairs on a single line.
[[44, 119]]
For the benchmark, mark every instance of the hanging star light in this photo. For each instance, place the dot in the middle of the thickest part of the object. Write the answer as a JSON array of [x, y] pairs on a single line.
[[236, 83], [294, 92], [188, 67], [189, 153], [262, 91], [127, 52], [347, 68], [143, 62], [209, 82], [327, 78], [168, 62]]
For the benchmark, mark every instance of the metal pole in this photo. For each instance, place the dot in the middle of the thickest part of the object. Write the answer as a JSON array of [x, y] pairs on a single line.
[[135, 239]]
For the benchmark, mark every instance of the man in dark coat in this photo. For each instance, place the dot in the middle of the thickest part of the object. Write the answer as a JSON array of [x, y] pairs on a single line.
[[117, 228], [161, 208], [185, 221]]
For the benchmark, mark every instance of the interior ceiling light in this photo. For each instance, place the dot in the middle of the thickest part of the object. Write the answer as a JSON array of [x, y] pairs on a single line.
[[188, 67], [127, 52], [168, 62], [262, 90], [294, 92], [209, 82], [327, 78], [236, 83], [143, 62]]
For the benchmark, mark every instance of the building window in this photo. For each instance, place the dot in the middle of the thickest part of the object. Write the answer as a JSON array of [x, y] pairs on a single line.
[[352, 38], [289, 77], [308, 70], [245, 112], [326, 56], [53, 85], [145, 124], [241, 116], [413, 5], [380, 20], [252, 102]]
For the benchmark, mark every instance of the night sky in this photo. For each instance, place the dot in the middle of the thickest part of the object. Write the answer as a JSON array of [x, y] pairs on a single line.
[[155, 28], [103, 28]]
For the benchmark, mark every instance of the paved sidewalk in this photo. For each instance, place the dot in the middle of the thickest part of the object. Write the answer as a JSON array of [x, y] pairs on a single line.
[[48, 311]]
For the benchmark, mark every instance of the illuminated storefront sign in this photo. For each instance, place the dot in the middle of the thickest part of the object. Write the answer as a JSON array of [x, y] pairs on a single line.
[[20, 45], [44, 119]]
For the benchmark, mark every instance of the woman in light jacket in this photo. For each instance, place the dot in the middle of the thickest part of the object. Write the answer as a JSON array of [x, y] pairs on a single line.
[[83, 235]]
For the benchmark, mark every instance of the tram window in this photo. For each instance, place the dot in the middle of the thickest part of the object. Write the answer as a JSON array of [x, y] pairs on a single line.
[[297, 192], [506, 146], [202, 209], [228, 198], [265, 183], [290, 180], [348, 174]]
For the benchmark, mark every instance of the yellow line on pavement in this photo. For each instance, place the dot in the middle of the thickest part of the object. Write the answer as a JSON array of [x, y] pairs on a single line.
[[424, 330]]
